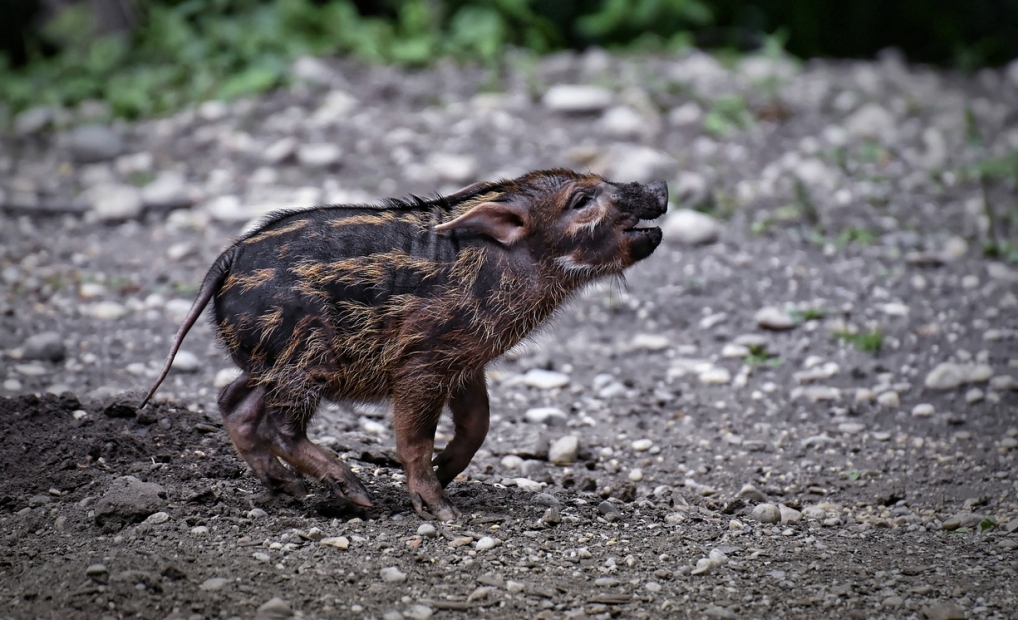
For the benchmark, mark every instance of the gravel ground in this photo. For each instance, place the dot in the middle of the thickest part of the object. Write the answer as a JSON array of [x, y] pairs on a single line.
[[802, 405]]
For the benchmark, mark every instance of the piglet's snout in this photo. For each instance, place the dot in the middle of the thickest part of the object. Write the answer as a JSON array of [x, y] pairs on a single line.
[[656, 202], [659, 189]]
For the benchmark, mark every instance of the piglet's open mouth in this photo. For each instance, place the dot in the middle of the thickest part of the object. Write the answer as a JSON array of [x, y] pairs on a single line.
[[644, 237], [645, 226]]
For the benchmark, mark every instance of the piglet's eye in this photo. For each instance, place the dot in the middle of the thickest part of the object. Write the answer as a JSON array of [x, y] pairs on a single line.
[[580, 201]]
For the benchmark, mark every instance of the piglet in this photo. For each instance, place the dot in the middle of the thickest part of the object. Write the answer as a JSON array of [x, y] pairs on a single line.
[[405, 301]]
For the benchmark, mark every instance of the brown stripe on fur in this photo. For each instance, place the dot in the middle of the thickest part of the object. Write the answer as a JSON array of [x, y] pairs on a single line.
[[275, 232], [379, 219]]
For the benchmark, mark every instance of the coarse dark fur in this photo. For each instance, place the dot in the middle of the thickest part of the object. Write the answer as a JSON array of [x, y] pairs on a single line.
[[407, 301]]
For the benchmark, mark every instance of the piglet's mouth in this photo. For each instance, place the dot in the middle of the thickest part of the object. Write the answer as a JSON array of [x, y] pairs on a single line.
[[643, 240], [644, 226]]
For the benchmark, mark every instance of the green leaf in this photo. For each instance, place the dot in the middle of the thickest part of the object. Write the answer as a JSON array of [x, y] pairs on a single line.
[[416, 51], [479, 31], [987, 524], [415, 19], [105, 54], [255, 79], [972, 134], [728, 115], [856, 235], [867, 342]]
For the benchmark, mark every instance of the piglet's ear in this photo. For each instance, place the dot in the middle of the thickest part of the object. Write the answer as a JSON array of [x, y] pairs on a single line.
[[503, 222], [466, 192]]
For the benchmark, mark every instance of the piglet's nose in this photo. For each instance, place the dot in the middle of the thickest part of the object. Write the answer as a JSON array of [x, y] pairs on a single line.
[[659, 189]]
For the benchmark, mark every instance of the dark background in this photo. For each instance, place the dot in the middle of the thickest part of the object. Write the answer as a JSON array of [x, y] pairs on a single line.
[[964, 34]]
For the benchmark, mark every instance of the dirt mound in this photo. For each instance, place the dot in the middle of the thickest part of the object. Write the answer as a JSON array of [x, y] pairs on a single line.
[[57, 446]]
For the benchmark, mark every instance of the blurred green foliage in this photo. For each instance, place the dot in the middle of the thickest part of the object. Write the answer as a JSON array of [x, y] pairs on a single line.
[[193, 50]]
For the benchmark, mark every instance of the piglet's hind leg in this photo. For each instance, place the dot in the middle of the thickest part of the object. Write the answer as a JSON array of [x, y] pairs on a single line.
[[291, 444], [244, 416]]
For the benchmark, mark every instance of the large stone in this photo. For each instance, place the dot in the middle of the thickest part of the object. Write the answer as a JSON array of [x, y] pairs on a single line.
[[185, 361], [774, 319], [545, 415], [229, 209], [453, 168], [789, 515], [129, 500], [691, 190], [392, 574], [213, 583], [418, 612], [948, 375], [114, 203], [689, 227], [576, 99], [701, 70], [1000, 271], [545, 379], [564, 450], [871, 121], [816, 175], [315, 70], [623, 122], [44, 346], [689, 113], [936, 153], [944, 611], [319, 155], [214, 110], [274, 609], [631, 162], [651, 342], [281, 150], [767, 513], [955, 248], [168, 191], [962, 519], [764, 67], [33, 120], [337, 107], [715, 375], [90, 144], [225, 377]]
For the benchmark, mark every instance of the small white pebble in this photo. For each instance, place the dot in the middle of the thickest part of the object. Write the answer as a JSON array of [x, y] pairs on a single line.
[[642, 445], [486, 543], [338, 542], [427, 529], [511, 461], [889, 400]]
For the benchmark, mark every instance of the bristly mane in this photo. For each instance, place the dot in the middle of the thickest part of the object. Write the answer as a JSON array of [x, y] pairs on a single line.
[[413, 202]]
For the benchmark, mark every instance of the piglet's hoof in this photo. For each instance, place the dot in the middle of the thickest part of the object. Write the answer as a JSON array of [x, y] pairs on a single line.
[[290, 485], [439, 508], [350, 489]]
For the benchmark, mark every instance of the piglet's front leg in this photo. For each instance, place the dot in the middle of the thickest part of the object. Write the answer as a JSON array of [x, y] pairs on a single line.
[[416, 410], [470, 416]]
